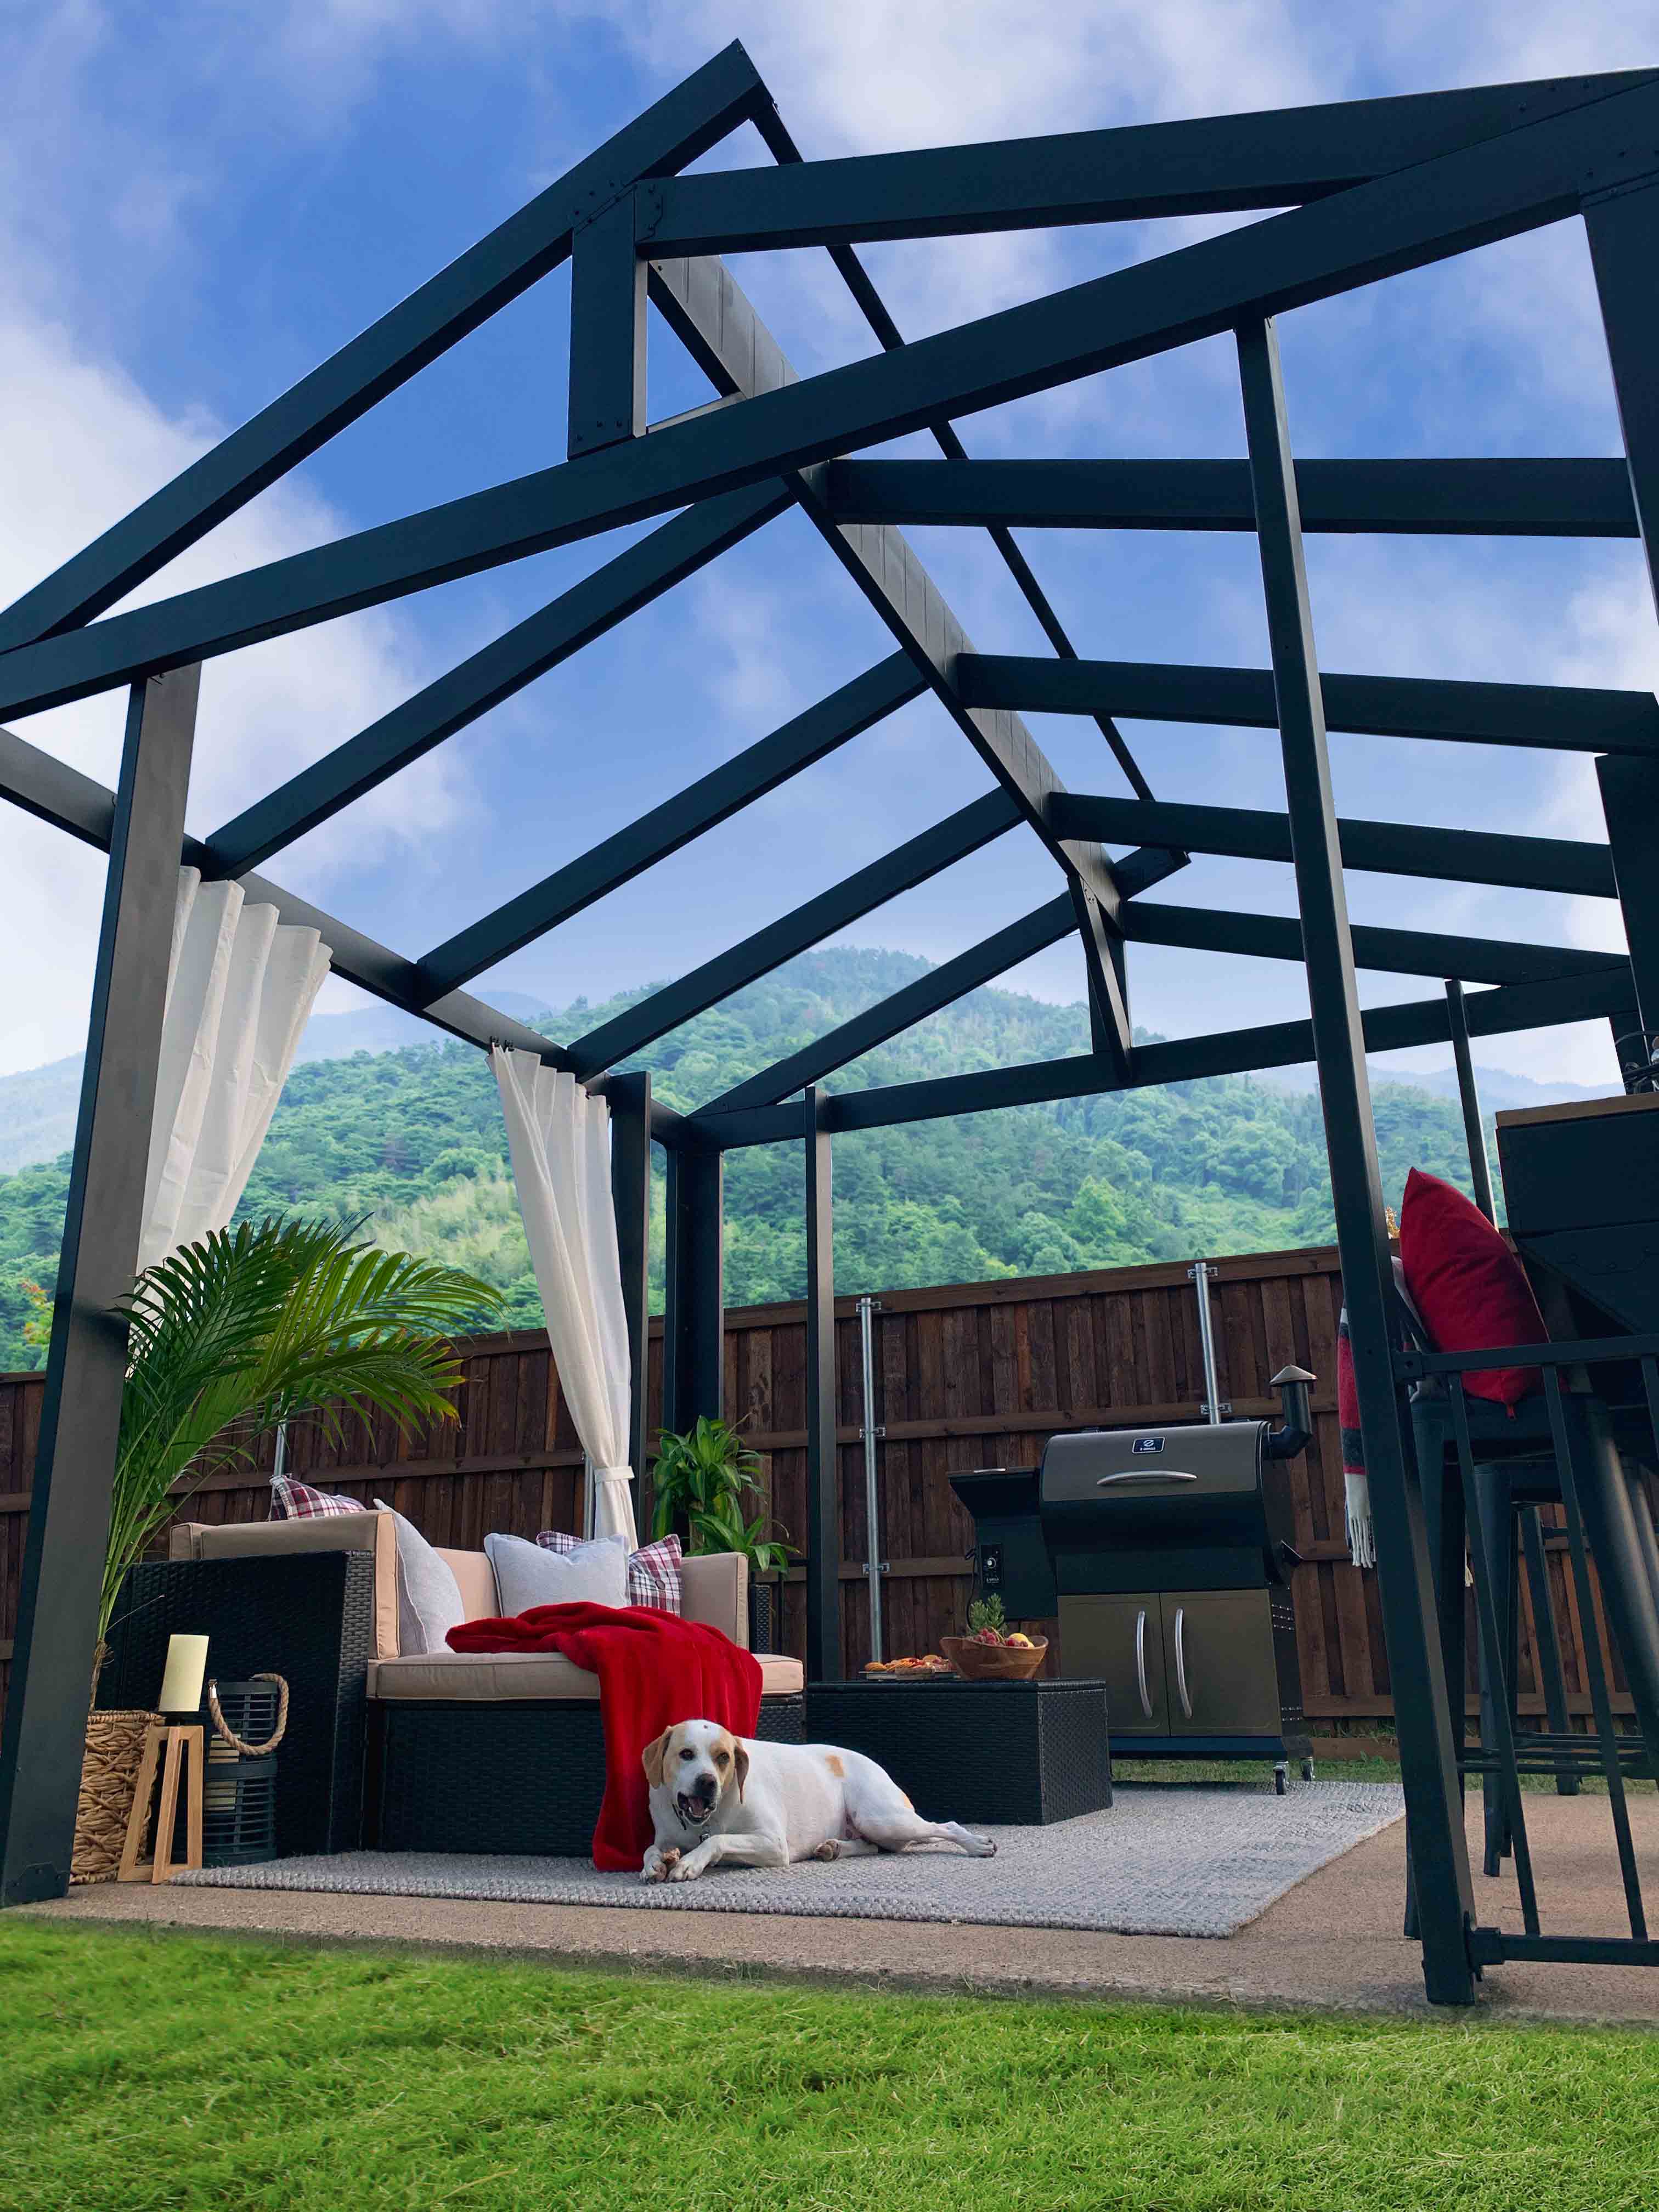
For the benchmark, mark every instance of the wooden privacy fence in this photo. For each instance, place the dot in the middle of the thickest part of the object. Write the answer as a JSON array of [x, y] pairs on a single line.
[[974, 1374]]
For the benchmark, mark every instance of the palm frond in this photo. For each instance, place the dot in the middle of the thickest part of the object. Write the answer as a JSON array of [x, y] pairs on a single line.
[[253, 1326]]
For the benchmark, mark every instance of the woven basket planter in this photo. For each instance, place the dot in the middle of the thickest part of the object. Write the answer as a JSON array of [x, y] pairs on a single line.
[[109, 1775]]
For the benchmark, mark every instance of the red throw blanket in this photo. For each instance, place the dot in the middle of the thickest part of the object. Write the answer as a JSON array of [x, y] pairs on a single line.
[[654, 1669]]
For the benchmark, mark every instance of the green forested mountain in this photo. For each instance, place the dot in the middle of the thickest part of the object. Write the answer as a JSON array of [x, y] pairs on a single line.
[[414, 1140]]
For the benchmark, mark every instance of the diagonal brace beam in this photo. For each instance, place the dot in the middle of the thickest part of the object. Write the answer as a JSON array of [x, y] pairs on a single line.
[[966, 831], [670, 554], [901, 1010], [845, 714]]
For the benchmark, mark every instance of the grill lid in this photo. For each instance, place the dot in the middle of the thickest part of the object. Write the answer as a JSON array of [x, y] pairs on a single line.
[[1179, 1465]]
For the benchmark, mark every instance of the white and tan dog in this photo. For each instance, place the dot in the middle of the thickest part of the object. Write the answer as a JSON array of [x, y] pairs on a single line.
[[715, 1797]]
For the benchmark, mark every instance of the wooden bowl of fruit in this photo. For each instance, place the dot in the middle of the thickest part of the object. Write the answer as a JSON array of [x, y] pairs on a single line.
[[990, 1656]]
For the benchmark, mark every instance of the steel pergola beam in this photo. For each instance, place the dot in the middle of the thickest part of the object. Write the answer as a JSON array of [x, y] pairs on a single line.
[[1394, 848], [1498, 1012], [1213, 164], [529, 650], [685, 122], [901, 1010], [719, 326], [1408, 219], [967, 830], [1559, 717], [1444, 498], [1391, 951], [810, 736]]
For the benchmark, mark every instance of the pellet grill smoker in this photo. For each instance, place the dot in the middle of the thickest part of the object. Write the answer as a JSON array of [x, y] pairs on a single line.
[[1165, 1555]]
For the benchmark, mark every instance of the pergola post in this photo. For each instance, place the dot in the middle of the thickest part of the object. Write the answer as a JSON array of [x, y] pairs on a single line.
[[86, 1368], [1428, 1762], [822, 1530], [1468, 1093], [1630, 798], [628, 1097], [694, 1322], [1624, 241]]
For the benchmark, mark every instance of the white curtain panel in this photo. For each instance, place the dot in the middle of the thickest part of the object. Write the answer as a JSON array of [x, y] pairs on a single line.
[[240, 989], [560, 1141]]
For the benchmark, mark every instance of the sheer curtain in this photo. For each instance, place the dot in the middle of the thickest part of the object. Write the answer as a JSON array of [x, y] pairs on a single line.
[[560, 1141], [239, 987]]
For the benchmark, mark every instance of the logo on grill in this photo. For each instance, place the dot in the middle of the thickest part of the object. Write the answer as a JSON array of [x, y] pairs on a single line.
[[1148, 1445]]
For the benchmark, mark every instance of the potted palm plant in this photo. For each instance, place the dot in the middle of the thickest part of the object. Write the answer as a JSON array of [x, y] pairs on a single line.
[[703, 1483], [229, 1337]]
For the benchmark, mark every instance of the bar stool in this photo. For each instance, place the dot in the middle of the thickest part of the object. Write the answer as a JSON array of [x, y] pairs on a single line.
[[1515, 1473]]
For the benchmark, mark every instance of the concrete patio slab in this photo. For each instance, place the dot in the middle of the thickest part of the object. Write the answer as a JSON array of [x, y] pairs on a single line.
[[1332, 1943]]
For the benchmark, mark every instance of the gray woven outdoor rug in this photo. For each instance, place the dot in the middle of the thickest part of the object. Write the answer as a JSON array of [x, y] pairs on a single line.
[[1162, 1862]]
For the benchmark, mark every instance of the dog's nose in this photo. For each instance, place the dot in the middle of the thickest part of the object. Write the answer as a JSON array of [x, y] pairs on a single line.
[[703, 1789]]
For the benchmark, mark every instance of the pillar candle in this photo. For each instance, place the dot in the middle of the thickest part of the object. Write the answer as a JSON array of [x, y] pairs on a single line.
[[187, 1669]]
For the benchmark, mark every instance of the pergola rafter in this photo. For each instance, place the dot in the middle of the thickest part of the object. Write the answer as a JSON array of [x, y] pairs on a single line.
[[1366, 190]]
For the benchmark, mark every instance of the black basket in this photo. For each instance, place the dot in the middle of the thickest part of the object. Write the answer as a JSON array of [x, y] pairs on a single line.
[[239, 1807]]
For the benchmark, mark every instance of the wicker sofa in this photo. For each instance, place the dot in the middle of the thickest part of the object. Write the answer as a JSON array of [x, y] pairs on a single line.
[[486, 1752]]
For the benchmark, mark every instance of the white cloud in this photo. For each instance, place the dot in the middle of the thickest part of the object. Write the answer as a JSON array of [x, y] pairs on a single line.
[[95, 445]]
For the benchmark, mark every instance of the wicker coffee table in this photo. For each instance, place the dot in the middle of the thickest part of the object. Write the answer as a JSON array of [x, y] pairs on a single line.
[[1008, 1754]]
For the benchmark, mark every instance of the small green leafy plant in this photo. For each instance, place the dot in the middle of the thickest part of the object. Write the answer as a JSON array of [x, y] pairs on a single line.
[[705, 1479], [986, 1612]]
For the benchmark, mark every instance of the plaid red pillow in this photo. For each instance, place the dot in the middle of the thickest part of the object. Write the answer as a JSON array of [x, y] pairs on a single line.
[[298, 1501], [653, 1571]]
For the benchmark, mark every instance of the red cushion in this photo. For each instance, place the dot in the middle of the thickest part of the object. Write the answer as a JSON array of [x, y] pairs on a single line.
[[1470, 1288]]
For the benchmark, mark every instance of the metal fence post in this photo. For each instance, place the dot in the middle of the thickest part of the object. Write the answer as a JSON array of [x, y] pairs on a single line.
[[1427, 1757], [85, 1367]]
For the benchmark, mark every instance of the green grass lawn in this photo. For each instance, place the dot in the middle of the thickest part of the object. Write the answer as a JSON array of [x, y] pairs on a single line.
[[156, 2070]]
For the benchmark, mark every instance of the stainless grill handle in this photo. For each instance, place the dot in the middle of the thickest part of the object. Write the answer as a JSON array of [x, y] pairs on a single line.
[[1147, 1474], [1140, 1661], [1181, 1661]]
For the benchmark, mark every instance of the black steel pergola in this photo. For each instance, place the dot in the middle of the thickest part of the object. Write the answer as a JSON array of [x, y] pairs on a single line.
[[1363, 190]]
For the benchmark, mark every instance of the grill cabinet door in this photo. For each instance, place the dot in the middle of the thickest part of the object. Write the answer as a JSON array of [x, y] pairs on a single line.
[[1118, 1641], [1218, 1662]]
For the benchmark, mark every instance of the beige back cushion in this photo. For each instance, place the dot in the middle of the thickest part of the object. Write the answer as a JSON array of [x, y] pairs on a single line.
[[340, 1532], [477, 1579], [715, 1588]]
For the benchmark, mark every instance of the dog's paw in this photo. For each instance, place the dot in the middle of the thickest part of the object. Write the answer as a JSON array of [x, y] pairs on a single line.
[[686, 1869], [831, 1850], [988, 1848], [658, 1864]]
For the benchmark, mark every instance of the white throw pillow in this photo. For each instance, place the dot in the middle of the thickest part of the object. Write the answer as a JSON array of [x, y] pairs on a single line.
[[595, 1573], [429, 1602]]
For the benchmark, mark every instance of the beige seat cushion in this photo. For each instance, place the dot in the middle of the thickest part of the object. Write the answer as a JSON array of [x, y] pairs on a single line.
[[498, 1677]]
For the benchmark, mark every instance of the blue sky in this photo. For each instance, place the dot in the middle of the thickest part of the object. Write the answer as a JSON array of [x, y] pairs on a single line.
[[204, 200]]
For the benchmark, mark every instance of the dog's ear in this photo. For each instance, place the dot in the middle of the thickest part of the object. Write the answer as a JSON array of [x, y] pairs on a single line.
[[739, 1764], [652, 1758]]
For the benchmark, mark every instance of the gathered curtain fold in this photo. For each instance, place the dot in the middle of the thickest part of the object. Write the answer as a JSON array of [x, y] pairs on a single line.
[[240, 986], [559, 1140]]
